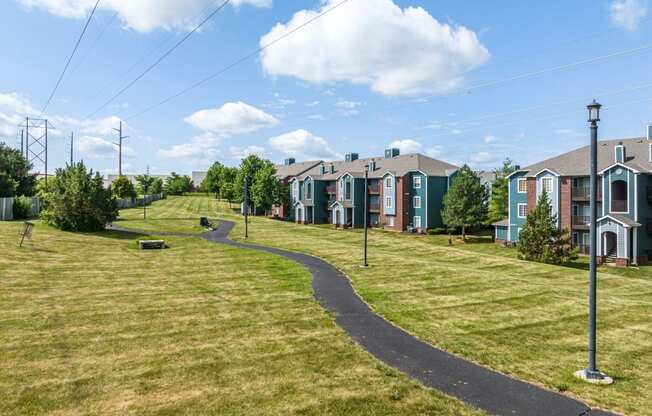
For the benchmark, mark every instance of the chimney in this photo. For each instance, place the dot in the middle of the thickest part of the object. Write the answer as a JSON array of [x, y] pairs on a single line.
[[392, 152], [619, 153], [649, 131], [372, 165], [322, 169], [331, 168], [289, 161], [350, 157]]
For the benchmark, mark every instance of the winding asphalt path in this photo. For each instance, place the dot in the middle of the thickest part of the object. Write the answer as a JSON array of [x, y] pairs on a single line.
[[493, 392]]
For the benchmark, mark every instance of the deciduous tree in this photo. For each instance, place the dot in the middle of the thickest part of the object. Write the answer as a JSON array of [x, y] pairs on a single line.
[[465, 203], [122, 188], [15, 178], [177, 184]]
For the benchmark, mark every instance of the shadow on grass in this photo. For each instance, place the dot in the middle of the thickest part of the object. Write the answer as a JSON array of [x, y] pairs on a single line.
[[119, 234]]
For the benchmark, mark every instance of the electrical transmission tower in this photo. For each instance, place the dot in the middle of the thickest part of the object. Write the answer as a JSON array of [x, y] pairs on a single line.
[[72, 141], [36, 144], [119, 144]]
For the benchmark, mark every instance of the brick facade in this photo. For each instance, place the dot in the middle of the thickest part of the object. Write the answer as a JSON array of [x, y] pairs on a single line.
[[531, 194], [565, 203]]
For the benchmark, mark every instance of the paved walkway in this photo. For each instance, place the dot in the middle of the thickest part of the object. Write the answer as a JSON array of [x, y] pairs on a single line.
[[485, 389]]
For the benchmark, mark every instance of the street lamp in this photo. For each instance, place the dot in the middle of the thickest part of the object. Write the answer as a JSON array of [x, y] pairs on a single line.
[[366, 221], [245, 200], [591, 373]]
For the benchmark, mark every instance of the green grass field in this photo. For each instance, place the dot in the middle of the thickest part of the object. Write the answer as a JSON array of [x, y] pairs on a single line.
[[91, 325], [480, 302]]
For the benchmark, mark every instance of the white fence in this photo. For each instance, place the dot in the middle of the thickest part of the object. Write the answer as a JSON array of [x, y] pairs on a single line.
[[138, 202], [7, 208]]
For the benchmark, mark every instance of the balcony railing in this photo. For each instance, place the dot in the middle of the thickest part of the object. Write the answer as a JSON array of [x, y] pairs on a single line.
[[374, 206], [618, 205], [581, 220], [585, 192], [330, 189], [374, 189]]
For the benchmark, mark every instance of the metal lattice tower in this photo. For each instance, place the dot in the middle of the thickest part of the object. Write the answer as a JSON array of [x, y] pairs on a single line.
[[36, 144]]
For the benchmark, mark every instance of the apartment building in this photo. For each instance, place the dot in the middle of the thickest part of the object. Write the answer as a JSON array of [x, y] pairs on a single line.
[[624, 197], [405, 192]]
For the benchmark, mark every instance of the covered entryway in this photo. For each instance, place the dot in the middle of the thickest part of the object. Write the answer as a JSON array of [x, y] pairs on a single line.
[[610, 246], [299, 213], [338, 215]]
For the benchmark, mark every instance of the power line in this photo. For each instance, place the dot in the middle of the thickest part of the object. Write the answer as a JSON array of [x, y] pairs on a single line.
[[95, 42], [81, 36], [153, 65], [235, 63]]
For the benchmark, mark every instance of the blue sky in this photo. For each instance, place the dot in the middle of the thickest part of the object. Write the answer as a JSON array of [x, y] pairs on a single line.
[[455, 80]]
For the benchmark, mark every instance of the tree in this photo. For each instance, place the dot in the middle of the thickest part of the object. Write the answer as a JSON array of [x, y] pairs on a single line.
[[122, 188], [177, 184], [144, 186], [499, 204], [248, 169], [156, 187], [266, 187], [15, 178], [465, 203], [227, 180], [213, 180], [541, 239], [76, 200]]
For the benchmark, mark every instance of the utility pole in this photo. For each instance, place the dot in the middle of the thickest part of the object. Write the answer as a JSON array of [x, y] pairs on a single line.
[[46, 154], [119, 144], [366, 209], [22, 138], [27, 138], [72, 140]]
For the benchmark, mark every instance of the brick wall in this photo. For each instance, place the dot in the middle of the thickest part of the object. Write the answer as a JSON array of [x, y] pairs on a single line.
[[402, 218], [531, 194], [565, 203]]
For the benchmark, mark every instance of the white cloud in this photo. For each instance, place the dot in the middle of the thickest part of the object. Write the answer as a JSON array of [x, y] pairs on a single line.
[[435, 151], [142, 15], [348, 108], [484, 159], [232, 118], [407, 146], [489, 138], [411, 53], [627, 14], [302, 144], [243, 152], [200, 150], [97, 148]]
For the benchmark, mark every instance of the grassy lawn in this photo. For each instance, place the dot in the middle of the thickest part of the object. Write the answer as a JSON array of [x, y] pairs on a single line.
[[480, 302], [91, 325]]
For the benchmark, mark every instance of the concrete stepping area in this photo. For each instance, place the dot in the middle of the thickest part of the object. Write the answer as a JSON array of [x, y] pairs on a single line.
[[478, 386]]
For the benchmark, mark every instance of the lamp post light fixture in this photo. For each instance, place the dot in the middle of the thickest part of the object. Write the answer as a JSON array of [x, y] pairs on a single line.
[[591, 374], [366, 214]]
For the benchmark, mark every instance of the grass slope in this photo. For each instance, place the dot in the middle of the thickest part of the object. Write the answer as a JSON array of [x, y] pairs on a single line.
[[91, 325], [480, 302]]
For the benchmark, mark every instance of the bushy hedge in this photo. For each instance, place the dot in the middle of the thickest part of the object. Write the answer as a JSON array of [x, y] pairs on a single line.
[[76, 200], [22, 208]]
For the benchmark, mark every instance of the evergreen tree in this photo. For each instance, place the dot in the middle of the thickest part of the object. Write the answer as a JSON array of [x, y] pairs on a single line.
[[15, 179], [541, 239], [499, 203], [465, 203], [76, 200], [156, 187]]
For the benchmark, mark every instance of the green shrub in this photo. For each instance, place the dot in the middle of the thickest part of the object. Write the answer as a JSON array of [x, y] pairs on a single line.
[[22, 208], [123, 188], [77, 201]]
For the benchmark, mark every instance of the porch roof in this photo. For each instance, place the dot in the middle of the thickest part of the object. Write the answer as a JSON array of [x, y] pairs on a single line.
[[622, 219]]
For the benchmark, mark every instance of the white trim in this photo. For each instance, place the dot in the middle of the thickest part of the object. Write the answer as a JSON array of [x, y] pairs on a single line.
[[616, 153], [425, 208], [414, 182], [552, 185], [518, 185], [414, 202], [618, 164], [615, 220], [650, 152], [635, 248], [635, 196], [414, 221], [517, 171], [518, 210], [509, 208], [391, 200], [611, 189], [546, 170]]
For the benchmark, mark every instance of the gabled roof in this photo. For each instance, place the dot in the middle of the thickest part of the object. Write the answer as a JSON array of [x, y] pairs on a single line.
[[622, 219], [398, 165], [295, 169], [501, 223], [577, 163]]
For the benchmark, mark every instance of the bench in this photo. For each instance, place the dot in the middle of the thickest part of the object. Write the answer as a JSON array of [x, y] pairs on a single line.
[[151, 244]]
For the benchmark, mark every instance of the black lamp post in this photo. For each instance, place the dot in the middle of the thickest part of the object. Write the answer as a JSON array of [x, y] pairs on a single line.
[[591, 373], [366, 220], [245, 201]]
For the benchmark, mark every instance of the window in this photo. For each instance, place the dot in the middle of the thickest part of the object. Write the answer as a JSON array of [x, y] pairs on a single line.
[[575, 210], [309, 190], [388, 202], [347, 190], [522, 185], [390, 221], [546, 185], [417, 182], [417, 222], [522, 210], [619, 196], [417, 202], [388, 183], [576, 239]]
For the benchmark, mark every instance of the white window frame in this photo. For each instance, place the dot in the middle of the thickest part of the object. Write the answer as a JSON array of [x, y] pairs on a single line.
[[388, 182], [416, 202], [543, 185], [518, 210], [518, 185], [414, 221], [390, 221], [417, 182], [388, 199], [309, 190]]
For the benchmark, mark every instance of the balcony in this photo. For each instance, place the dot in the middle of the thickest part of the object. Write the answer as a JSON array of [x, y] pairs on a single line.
[[374, 188], [374, 206], [618, 205], [584, 193], [580, 220], [331, 189]]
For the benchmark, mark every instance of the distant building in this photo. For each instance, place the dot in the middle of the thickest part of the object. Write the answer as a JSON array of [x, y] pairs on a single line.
[[108, 179], [198, 177]]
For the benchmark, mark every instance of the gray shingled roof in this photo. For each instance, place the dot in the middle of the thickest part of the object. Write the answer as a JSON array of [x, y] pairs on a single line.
[[576, 162], [398, 165], [298, 168]]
